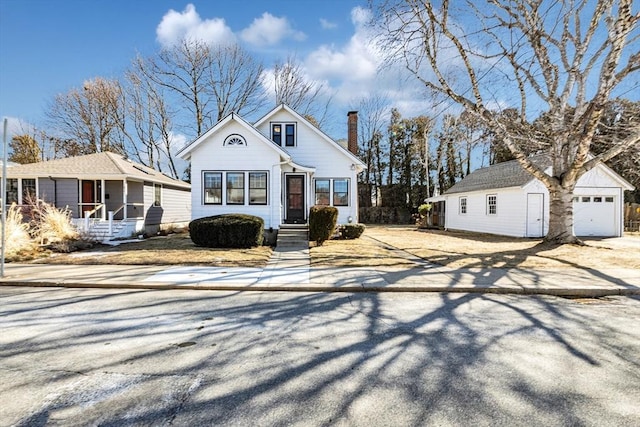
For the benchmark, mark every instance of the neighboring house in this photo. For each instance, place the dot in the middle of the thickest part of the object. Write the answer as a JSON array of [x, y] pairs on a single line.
[[275, 169], [98, 186], [505, 199]]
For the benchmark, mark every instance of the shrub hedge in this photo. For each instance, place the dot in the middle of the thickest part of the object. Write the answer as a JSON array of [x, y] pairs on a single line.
[[227, 231], [351, 231], [322, 223]]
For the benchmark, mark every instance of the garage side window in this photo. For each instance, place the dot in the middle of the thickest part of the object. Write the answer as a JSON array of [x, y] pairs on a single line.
[[492, 204], [463, 205]]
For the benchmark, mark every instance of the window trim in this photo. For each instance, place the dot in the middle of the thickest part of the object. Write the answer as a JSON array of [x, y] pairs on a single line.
[[328, 192], [157, 191], [266, 187], [278, 133], [23, 189], [242, 187], [333, 198], [204, 188], [462, 207], [332, 193], [15, 190], [290, 142], [282, 134], [494, 204]]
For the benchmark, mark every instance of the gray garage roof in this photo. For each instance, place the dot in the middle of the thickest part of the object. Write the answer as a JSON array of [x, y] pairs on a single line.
[[500, 175], [93, 166]]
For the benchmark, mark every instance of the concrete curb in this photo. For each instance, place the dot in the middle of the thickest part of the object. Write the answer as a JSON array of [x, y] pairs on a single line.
[[319, 287]]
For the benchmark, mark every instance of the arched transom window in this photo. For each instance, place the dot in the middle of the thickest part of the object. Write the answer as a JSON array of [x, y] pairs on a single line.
[[235, 139]]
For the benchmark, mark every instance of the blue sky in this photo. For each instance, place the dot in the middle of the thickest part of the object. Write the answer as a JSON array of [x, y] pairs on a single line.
[[48, 47]]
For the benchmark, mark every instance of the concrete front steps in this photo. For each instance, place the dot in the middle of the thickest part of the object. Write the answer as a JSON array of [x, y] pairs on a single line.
[[292, 236]]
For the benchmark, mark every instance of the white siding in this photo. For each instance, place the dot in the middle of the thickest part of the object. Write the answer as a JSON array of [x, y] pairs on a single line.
[[212, 155], [511, 208], [511, 218], [329, 160]]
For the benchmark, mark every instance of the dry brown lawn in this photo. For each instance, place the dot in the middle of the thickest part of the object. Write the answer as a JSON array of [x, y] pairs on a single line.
[[468, 250], [380, 246], [171, 249]]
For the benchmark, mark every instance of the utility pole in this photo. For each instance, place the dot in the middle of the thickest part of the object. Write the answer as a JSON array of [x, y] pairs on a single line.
[[4, 194]]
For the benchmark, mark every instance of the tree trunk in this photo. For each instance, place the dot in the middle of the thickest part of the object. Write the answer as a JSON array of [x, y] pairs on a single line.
[[561, 216]]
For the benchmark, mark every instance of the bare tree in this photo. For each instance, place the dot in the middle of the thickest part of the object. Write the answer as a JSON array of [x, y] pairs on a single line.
[[207, 81], [92, 117], [234, 80], [566, 59], [371, 116], [149, 132], [293, 87]]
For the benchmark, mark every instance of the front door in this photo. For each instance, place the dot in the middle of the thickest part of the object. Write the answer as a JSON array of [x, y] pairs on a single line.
[[295, 199], [88, 196]]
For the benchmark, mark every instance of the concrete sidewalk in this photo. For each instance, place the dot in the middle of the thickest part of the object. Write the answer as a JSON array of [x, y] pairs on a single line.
[[290, 271]]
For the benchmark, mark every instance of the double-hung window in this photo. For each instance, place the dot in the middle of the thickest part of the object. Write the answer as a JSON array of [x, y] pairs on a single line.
[[340, 192], [213, 188], [323, 192], [235, 188], [286, 130], [463, 205], [257, 188], [28, 190], [492, 204], [276, 134], [12, 191], [290, 135], [157, 195]]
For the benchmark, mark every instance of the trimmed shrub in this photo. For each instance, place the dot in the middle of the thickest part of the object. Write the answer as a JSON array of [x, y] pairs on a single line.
[[322, 223], [351, 231], [227, 231]]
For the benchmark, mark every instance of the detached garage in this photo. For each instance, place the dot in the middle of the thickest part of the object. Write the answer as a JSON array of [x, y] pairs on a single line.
[[504, 199]]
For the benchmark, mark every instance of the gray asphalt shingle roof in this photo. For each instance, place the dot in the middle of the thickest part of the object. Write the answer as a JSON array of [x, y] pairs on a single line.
[[500, 175], [93, 166]]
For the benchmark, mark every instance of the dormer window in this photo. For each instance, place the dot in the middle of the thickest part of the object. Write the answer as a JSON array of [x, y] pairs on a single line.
[[286, 131]]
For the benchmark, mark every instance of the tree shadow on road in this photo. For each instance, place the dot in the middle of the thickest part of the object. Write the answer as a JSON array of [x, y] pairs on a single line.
[[311, 358]]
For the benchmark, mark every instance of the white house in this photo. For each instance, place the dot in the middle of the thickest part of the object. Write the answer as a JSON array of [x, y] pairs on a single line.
[[275, 169], [504, 199]]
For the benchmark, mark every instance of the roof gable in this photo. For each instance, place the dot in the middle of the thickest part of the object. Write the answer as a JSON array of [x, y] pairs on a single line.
[[322, 136], [187, 150]]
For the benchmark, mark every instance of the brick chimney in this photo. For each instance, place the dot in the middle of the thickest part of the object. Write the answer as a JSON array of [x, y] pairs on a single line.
[[352, 132]]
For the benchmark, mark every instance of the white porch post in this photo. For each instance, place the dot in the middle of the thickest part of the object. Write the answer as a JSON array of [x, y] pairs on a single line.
[[125, 189], [103, 193]]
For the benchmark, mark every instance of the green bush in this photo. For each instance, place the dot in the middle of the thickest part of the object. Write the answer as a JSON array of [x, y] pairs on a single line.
[[227, 231], [322, 223], [351, 231]]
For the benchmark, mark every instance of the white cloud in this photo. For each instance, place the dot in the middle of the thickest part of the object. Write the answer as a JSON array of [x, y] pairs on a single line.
[[355, 64], [327, 25], [178, 26], [269, 30]]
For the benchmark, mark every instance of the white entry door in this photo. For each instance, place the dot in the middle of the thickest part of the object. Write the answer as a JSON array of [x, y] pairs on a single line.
[[535, 215]]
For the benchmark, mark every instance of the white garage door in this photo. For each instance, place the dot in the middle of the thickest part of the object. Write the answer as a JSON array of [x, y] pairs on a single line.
[[594, 216]]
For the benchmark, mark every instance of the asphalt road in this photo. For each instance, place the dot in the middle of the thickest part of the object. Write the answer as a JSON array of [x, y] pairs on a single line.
[[118, 358]]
